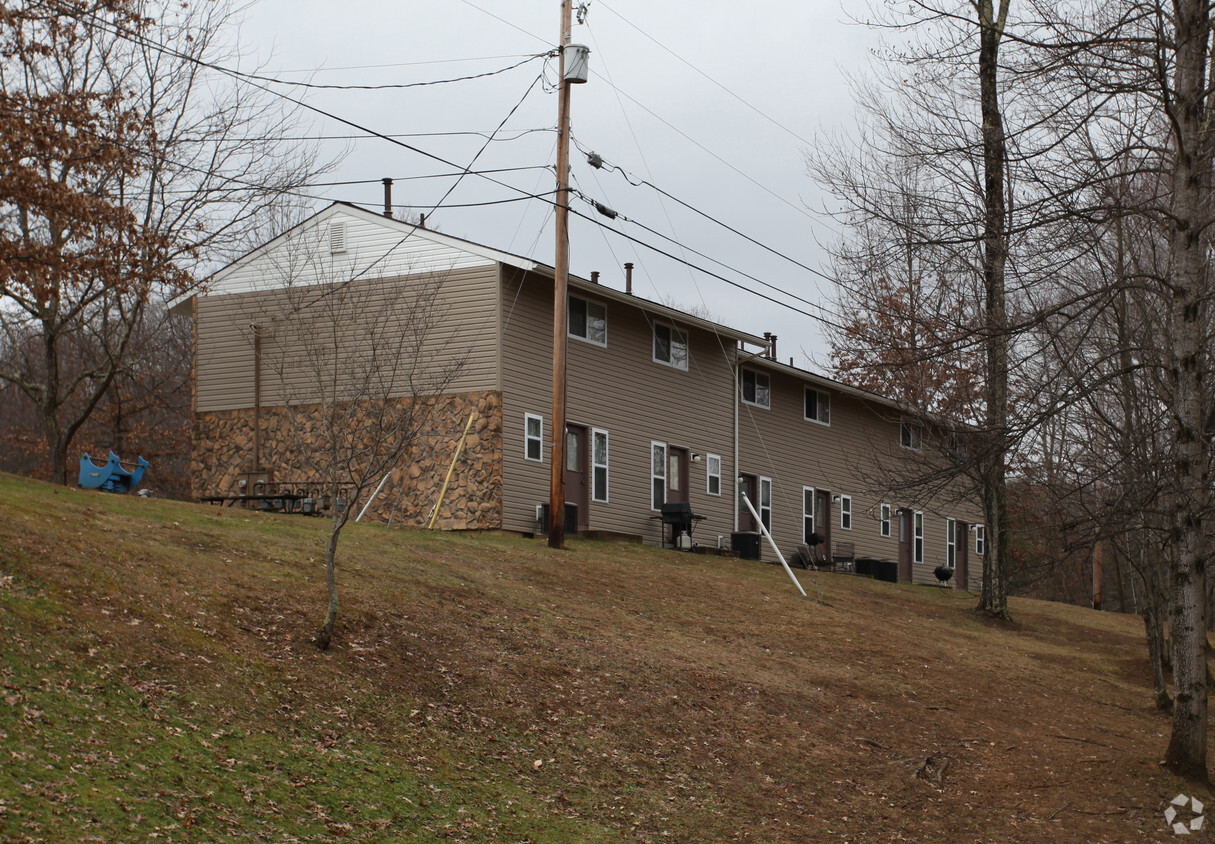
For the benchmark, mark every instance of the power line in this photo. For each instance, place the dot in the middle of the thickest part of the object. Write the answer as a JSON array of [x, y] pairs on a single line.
[[384, 86], [707, 216], [741, 99], [400, 64]]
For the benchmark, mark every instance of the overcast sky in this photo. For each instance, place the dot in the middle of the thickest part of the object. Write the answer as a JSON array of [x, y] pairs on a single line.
[[712, 103]]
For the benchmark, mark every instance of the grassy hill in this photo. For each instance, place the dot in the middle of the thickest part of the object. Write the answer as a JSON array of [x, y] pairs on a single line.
[[159, 683]]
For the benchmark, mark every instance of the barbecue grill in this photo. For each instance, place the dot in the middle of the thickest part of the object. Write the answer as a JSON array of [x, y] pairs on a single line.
[[943, 573], [679, 515]]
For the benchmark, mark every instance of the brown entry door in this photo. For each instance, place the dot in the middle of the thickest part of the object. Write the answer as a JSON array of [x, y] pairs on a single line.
[[677, 474], [905, 541], [822, 519], [748, 485], [577, 473]]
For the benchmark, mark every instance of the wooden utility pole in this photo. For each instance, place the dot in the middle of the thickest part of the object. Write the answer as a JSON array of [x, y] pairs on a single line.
[[561, 266]]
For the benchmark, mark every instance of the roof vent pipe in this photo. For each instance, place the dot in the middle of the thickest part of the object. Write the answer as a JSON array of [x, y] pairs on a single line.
[[387, 197], [628, 278], [594, 276], [772, 348]]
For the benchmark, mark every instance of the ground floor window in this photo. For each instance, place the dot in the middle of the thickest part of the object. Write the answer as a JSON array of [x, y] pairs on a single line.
[[599, 465], [807, 513], [919, 536], [884, 520], [765, 502], [658, 475], [713, 471], [951, 543], [980, 539], [846, 512], [533, 437]]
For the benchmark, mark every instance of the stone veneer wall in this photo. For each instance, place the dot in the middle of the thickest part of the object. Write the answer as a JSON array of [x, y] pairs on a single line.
[[223, 449]]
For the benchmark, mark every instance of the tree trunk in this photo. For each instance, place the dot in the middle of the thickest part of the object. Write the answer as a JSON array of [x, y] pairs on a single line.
[[1187, 751], [325, 637], [994, 597]]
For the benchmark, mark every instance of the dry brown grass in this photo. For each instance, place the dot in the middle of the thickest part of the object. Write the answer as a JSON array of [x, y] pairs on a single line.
[[487, 688]]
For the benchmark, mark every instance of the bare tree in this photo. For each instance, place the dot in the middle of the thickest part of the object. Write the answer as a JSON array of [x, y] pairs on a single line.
[[360, 365], [126, 165]]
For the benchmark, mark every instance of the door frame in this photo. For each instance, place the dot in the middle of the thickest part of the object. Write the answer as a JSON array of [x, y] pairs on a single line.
[[578, 489], [906, 541]]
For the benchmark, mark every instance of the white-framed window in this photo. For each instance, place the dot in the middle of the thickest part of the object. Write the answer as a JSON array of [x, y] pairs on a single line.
[[670, 346], [807, 513], [884, 520], [911, 435], [713, 474], [658, 475], [599, 465], [533, 437], [980, 539], [919, 536], [588, 321], [765, 502], [846, 512], [951, 543], [756, 388], [818, 406]]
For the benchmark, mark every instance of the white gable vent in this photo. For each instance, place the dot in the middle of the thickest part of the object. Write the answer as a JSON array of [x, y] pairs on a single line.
[[337, 237]]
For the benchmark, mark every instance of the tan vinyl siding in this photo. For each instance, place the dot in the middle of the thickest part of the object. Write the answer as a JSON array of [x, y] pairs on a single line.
[[846, 457], [224, 371], [619, 389]]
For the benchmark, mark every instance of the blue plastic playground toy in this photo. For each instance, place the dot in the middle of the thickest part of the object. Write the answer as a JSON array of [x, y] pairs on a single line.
[[111, 477]]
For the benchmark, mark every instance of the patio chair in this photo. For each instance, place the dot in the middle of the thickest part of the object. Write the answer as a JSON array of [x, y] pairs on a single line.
[[845, 554]]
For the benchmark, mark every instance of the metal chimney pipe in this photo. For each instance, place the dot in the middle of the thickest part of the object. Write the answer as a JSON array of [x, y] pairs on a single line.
[[628, 278], [387, 197], [772, 348], [594, 276]]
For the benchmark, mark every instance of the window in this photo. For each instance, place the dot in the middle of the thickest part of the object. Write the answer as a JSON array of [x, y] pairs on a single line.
[[919, 536], [807, 513], [765, 502], [846, 512], [910, 435], [951, 543], [884, 522], [980, 539], [755, 389], [533, 437], [818, 406], [670, 346], [599, 465], [588, 321], [658, 475], [713, 470]]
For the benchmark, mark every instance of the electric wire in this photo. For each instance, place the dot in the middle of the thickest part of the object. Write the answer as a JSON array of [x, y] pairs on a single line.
[[388, 86]]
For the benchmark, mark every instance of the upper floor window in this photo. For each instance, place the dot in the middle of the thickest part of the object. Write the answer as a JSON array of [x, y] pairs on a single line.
[[818, 406], [670, 346], [755, 388], [911, 435], [588, 321]]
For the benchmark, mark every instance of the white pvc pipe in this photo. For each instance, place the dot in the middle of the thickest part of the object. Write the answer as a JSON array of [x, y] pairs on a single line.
[[771, 542], [373, 497]]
